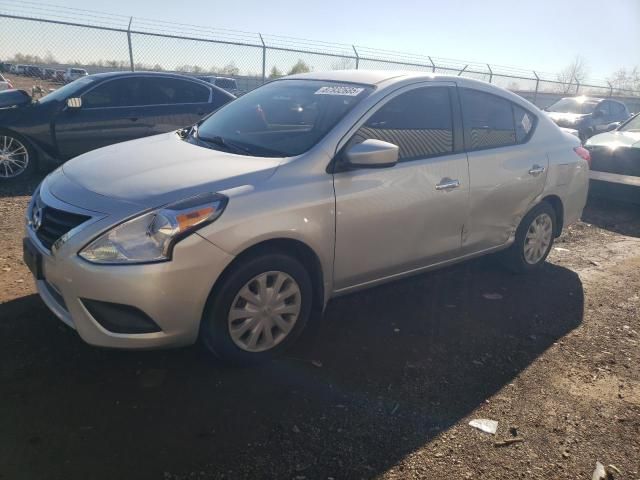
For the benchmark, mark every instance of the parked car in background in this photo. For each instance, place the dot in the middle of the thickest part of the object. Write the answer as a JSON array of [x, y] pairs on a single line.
[[95, 111], [32, 71], [18, 69], [58, 76], [47, 73], [588, 115], [72, 74], [5, 67], [306, 188], [228, 84], [615, 161], [5, 84]]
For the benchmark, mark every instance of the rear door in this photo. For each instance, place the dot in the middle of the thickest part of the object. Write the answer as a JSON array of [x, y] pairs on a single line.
[[111, 112], [172, 103], [402, 218], [505, 173]]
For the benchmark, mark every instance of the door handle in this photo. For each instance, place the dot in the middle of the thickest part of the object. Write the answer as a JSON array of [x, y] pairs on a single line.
[[536, 170], [447, 184]]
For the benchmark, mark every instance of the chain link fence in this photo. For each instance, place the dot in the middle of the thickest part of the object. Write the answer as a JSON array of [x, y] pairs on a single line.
[[57, 38]]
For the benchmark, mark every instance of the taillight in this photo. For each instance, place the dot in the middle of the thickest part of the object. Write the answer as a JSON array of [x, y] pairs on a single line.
[[584, 154]]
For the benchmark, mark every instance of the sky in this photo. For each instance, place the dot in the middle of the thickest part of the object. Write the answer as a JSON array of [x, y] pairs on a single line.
[[544, 34]]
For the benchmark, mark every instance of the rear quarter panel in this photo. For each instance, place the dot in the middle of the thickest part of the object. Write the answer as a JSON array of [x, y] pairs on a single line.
[[568, 177]]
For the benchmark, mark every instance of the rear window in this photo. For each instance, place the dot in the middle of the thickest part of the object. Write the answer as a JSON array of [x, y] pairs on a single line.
[[225, 83], [167, 91], [78, 70]]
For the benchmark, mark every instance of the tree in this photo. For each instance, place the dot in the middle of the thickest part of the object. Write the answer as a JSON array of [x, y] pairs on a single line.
[[573, 74], [624, 80], [299, 67], [275, 72], [229, 69], [344, 63]]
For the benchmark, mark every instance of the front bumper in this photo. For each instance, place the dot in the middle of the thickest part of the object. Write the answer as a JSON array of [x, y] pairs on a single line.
[[173, 294]]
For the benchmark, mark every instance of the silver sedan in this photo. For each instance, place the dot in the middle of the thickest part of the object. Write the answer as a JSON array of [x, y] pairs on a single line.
[[312, 186]]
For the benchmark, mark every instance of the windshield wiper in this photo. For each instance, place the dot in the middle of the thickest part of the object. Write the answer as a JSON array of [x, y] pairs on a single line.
[[222, 142]]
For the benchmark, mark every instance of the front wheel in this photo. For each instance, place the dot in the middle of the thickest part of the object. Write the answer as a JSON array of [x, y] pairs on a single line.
[[17, 158], [534, 239], [258, 310]]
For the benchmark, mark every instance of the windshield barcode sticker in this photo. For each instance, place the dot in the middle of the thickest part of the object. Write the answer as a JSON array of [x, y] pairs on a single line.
[[348, 91]]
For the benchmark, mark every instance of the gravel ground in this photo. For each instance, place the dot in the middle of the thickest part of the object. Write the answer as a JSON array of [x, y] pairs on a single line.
[[383, 387]]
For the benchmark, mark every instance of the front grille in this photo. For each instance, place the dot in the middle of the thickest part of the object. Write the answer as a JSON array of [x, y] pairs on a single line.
[[54, 223], [621, 160]]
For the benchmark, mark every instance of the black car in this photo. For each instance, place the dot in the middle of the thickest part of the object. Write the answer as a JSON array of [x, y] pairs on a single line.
[[587, 115], [96, 111], [615, 162]]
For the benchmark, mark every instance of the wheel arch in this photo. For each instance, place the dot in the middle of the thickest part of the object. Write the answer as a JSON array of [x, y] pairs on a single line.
[[556, 202], [288, 246]]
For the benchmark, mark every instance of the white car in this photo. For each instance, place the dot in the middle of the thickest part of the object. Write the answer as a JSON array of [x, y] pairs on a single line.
[[304, 189], [5, 84], [71, 74]]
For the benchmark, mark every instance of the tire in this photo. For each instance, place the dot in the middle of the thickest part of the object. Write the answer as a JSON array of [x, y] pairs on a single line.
[[16, 143], [216, 325], [520, 259]]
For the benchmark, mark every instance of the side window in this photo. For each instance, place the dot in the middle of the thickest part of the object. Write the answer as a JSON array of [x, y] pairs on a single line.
[[523, 121], [488, 120], [604, 107], [617, 109], [418, 121], [123, 92], [166, 91]]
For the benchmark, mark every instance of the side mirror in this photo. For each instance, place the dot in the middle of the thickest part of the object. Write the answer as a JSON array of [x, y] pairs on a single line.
[[612, 126], [74, 102], [372, 154]]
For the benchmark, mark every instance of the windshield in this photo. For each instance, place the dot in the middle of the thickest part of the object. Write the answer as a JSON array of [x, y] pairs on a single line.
[[574, 105], [69, 90], [632, 125], [283, 118]]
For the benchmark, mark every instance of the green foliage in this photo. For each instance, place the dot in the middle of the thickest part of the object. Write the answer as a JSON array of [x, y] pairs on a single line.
[[300, 67]]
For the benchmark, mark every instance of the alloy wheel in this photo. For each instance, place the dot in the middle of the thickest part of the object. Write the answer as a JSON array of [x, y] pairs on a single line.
[[264, 311], [14, 157]]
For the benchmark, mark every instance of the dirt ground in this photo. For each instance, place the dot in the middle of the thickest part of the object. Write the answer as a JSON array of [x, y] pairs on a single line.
[[383, 387]]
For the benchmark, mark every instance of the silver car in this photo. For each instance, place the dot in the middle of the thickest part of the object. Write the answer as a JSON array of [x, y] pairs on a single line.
[[312, 186]]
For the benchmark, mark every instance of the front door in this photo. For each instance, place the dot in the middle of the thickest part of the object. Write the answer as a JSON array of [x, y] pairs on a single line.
[[402, 218], [111, 112]]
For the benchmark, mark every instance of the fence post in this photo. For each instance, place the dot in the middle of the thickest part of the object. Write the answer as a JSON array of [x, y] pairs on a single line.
[[433, 65], [610, 88], [535, 94], [130, 47], [462, 71], [577, 85], [357, 56], [490, 73], [264, 58]]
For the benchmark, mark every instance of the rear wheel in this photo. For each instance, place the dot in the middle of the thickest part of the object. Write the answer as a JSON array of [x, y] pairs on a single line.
[[259, 309], [534, 239], [17, 157]]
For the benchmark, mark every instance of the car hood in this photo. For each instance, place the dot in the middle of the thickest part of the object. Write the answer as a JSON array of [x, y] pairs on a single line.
[[566, 118], [14, 98], [615, 139], [164, 168]]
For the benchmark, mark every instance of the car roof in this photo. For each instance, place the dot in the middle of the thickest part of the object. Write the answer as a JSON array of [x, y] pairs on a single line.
[[134, 74], [377, 77]]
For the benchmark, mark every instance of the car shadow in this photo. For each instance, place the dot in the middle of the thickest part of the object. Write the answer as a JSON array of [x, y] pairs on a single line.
[[613, 215], [382, 374]]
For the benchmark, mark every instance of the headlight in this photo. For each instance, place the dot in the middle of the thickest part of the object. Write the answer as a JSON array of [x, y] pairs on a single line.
[[151, 236]]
